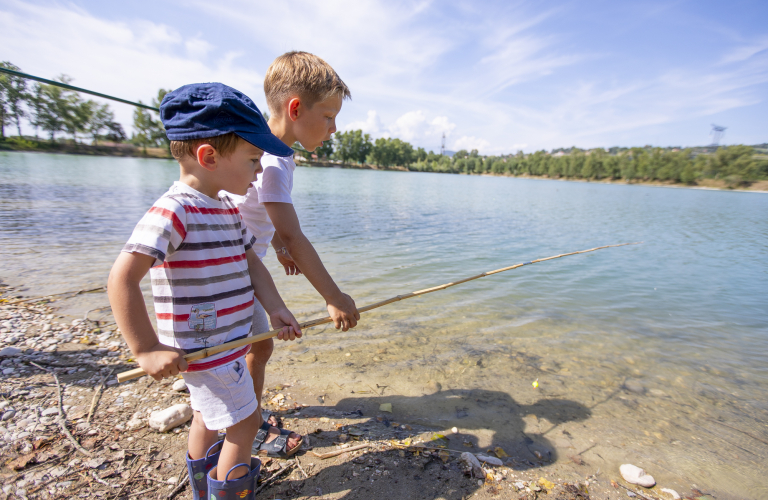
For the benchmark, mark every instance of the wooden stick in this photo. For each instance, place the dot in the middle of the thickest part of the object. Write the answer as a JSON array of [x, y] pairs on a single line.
[[74, 293], [335, 453], [210, 351], [97, 395], [62, 421]]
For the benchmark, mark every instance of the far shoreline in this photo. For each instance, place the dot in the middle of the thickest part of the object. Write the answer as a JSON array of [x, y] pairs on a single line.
[[125, 150]]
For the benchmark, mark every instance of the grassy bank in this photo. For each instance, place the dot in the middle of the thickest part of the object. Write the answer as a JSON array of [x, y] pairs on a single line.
[[68, 146]]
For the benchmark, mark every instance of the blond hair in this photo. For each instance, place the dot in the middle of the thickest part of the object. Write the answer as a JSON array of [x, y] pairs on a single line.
[[302, 74], [225, 145]]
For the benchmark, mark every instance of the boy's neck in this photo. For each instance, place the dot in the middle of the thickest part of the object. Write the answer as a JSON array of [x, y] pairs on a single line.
[[282, 127], [198, 183]]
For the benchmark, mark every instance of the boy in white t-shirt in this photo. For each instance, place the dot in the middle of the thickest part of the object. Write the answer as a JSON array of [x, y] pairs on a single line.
[[205, 281], [304, 95]]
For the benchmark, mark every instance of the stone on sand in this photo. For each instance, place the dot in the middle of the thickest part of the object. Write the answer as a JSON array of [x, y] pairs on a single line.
[[165, 420], [636, 475], [472, 461]]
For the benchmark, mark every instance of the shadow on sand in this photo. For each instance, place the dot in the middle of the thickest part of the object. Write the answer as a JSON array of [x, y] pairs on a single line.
[[485, 419]]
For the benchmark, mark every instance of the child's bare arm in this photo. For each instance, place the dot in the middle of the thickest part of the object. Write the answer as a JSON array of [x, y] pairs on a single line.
[[268, 296], [341, 307], [130, 313]]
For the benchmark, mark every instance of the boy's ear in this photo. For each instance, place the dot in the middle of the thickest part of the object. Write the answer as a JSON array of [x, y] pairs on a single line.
[[206, 157], [294, 108]]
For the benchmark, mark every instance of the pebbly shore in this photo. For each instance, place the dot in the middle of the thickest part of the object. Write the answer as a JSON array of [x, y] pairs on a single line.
[[68, 430]]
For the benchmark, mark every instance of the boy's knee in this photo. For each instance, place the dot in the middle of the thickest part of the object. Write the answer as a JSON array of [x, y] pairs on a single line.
[[261, 352]]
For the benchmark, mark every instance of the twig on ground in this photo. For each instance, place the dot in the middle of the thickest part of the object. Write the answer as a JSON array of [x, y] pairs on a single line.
[[142, 492], [130, 478], [298, 464], [97, 395], [274, 477], [101, 481], [331, 454], [178, 488], [635, 492], [63, 416]]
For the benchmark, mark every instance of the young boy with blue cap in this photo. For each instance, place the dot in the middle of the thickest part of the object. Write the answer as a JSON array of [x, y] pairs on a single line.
[[205, 280]]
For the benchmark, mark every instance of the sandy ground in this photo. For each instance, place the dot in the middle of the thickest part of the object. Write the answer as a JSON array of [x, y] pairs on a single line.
[[113, 454]]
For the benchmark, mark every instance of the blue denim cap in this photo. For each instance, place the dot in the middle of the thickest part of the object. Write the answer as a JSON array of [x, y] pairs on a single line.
[[202, 110]]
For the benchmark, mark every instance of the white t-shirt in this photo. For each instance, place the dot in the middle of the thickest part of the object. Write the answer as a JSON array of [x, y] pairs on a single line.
[[273, 185]]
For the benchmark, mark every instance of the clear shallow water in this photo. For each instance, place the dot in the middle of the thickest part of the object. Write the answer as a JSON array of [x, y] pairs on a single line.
[[685, 314]]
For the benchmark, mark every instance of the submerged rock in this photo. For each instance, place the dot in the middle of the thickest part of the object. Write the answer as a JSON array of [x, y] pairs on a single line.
[[636, 475], [634, 386], [669, 494]]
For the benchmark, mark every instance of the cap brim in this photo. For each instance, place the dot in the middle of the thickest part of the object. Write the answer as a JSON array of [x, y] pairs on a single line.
[[268, 142]]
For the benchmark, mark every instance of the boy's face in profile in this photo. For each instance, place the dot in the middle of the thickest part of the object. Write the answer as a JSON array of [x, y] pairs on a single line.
[[236, 172], [316, 124]]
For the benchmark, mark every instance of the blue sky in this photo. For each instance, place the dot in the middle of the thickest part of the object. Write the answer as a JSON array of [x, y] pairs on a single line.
[[497, 76]]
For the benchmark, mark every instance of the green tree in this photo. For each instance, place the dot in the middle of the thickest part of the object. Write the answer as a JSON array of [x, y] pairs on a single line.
[[51, 107], [352, 145], [13, 94], [102, 119], [326, 149], [148, 129]]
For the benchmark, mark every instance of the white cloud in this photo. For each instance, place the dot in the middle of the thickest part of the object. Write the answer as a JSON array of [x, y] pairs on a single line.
[[414, 127], [469, 143], [130, 60], [490, 76], [371, 125]]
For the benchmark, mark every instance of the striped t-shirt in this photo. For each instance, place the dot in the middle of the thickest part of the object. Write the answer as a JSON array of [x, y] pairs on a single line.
[[202, 290]]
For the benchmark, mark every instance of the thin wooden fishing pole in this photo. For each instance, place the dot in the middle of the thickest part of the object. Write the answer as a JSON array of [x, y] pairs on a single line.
[[210, 351]]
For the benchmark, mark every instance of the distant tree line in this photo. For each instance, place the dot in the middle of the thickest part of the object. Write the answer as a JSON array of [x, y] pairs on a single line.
[[56, 111], [734, 164]]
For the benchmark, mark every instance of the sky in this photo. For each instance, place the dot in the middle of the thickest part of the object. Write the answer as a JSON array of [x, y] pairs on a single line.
[[494, 76]]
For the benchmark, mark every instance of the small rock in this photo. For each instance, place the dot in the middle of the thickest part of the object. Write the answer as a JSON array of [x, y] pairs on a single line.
[[8, 414], [490, 460], [433, 386], [520, 485], [455, 430], [50, 411], [634, 386], [472, 461], [95, 463], [165, 420], [669, 494], [179, 385], [387, 407], [636, 475], [8, 371], [10, 351]]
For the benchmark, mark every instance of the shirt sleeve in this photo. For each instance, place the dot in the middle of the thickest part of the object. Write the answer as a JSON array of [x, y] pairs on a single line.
[[275, 184], [160, 232]]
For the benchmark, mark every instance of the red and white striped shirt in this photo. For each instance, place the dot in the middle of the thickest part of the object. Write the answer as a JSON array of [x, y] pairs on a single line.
[[202, 289]]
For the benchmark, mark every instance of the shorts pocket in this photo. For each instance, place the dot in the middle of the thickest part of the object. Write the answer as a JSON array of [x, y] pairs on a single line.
[[236, 371]]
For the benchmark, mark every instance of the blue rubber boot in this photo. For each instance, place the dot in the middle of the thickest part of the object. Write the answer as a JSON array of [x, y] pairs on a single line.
[[198, 471], [241, 488]]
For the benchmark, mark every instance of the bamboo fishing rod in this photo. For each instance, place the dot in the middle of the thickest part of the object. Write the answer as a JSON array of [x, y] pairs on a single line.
[[210, 351]]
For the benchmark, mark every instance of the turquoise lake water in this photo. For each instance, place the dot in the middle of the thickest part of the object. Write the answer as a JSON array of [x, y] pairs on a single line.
[[682, 319]]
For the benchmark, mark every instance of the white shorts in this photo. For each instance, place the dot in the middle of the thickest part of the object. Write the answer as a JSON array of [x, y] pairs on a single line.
[[223, 395]]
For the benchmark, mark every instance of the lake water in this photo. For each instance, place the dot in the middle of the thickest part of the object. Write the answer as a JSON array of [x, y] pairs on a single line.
[[652, 354]]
